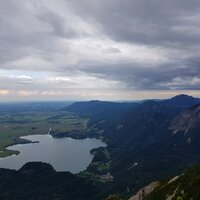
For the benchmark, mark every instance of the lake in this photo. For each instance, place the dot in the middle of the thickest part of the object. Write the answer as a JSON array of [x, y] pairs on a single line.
[[64, 154]]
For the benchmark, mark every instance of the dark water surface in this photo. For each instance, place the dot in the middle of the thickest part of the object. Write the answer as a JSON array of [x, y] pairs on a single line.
[[64, 154]]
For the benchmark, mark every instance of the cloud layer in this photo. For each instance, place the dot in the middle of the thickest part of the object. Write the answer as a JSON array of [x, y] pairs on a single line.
[[98, 47]]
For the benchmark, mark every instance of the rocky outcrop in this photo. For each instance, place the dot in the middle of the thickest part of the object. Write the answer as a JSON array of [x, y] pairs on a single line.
[[186, 121], [183, 187], [141, 194]]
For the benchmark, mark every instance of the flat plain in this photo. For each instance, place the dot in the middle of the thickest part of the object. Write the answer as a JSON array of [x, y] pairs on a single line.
[[15, 125]]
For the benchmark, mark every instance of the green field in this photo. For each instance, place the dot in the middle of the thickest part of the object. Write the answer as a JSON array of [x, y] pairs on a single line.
[[14, 125]]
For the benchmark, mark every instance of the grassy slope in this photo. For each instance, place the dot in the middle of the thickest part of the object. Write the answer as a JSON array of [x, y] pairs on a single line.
[[14, 125]]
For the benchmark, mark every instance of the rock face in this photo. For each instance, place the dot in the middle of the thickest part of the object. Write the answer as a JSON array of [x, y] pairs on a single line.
[[187, 121], [186, 127], [145, 191]]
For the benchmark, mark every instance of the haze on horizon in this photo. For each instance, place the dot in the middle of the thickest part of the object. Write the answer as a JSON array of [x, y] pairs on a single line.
[[98, 49]]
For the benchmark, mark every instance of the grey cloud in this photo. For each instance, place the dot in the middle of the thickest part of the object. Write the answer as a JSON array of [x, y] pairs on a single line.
[[29, 30], [148, 22], [58, 24], [141, 77], [172, 25]]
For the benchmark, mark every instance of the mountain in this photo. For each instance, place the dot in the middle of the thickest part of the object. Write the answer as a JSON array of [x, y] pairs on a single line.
[[182, 100], [183, 187], [187, 121], [146, 123], [105, 109], [39, 181], [141, 141], [187, 125], [97, 107], [160, 144], [147, 137], [98, 110]]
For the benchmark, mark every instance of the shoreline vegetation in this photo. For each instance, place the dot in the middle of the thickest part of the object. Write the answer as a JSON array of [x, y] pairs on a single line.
[[20, 140], [14, 126], [59, 125]]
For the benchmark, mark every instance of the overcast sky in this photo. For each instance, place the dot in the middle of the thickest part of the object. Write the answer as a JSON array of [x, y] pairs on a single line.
[[99, 49]]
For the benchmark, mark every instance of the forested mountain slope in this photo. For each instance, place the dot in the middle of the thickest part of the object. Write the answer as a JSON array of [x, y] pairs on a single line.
[[186, 186], [39, 181], [142, 143]]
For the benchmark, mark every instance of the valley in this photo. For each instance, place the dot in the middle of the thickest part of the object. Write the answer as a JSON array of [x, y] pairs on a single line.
[[145, 141]]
